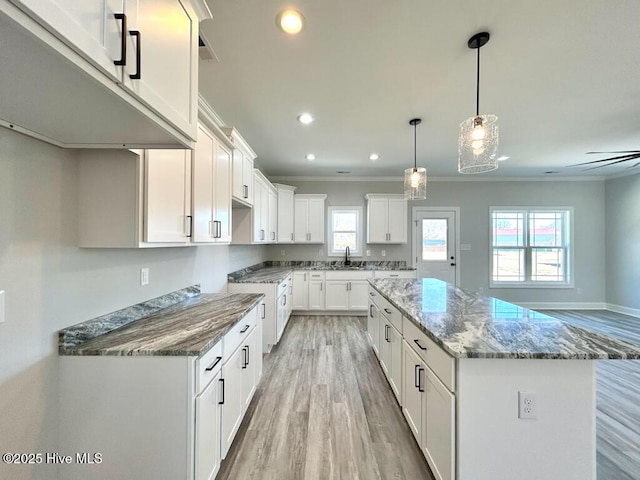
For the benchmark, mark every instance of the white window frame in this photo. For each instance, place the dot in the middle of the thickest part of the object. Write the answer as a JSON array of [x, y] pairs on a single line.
[[528, 283], [331, 252]]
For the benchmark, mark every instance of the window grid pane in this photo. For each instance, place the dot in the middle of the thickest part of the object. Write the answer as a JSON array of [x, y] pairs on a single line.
[[344, 224], [508, 264], [434, 239], [545, 229], [548, 264], [508, 229]]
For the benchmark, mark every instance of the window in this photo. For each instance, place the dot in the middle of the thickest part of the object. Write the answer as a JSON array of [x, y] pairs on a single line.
[[530, 247], [345, 230]]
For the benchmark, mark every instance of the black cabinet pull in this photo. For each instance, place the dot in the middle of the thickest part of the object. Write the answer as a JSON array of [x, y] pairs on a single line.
[[264, 311], [417, 342], [123, 40], [213, 365], [372, 294], [388, 311], [190, 217], [285, 300], [247, 347], [420, 370], [136, 33], [416, 376], [221, 402], [245, 191], [371, 310], [386, 333], [244, 357], [246, 327]]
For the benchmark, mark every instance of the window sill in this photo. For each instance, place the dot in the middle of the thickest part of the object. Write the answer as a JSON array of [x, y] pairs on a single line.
[[351, 255]]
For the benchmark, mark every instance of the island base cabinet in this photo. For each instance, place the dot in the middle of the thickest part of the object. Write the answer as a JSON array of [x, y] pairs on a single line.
[[373, 327], [494, 443], [412, 391], [438, 425]]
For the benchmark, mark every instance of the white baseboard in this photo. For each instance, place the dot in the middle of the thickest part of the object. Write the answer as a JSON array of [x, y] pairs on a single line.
[[564, 305], [634, 312]]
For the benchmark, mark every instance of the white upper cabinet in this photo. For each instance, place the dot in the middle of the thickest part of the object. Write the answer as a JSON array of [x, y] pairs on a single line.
[[273, 214], [243, 157], [386, 218], [134, 199], [211, 189], [101, 73], [309, 218], [257, 224], [285, 213]]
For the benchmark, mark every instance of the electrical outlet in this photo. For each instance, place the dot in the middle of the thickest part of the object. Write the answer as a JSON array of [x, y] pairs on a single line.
[[527, 406], [383, 253], [368, 253], [282, 253], [144, 276]]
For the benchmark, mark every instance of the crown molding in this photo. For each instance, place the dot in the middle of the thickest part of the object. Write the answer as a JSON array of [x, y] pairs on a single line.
[[345, 178]]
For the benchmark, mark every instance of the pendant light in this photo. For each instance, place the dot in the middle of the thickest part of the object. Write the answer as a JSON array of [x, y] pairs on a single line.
[[478, 140], [415, 179]]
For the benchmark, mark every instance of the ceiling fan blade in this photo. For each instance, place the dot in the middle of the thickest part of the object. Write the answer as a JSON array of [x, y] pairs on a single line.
[[634, 165], [623, 158], [612, 163], [621, 151]]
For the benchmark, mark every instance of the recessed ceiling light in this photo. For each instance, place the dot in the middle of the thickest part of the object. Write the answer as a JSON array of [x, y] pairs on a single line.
[[374, 156], [290, 21], [503, 158], [311, 157], [305, 118]]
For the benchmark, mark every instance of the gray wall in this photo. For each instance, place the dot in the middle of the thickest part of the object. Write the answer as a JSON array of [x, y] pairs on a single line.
[[51, 284], [474, 199], [622, 196]]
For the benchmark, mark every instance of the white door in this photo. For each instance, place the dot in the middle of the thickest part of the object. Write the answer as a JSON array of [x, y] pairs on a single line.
[[358, 295], [222, 193], [439, 428], [300, 298], [316, 220], [336, 295], [412, 390], [203, 187], [397, 215], [436, 244], [378, 211], [207, 447], [301, 220]]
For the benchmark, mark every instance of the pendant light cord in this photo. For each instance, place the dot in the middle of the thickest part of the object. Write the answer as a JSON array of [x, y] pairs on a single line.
[[415, 149], [478, 85]]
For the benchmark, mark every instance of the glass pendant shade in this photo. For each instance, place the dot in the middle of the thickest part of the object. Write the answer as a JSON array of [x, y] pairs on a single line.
[[415, 183], [478, 144]]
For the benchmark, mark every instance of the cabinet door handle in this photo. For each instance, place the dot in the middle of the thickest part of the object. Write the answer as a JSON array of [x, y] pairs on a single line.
[[210, 223], [244, 357], [394, 276], [190, 227], [388, 311], [420, 370], [264, 311], [123, 40], [248, 357], [417, 342], [213, 365], [221, 402], [285, 299], [219, 228], [371, 310], [136, 33], [416, 376], [246, 327], [386, 333], [372, 294], [273, 236], [292, 236], [321, 286], [245, 191]]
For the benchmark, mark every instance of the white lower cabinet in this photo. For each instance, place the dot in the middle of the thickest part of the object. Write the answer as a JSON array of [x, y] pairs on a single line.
[[316, 291], [158, 416], [337, 295], [276, 311], [347, 290], [422, 377], [300, 298], [208, 424]]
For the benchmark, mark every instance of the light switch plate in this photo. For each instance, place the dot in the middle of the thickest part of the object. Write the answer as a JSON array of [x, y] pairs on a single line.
[[144, 276], [1, 306]]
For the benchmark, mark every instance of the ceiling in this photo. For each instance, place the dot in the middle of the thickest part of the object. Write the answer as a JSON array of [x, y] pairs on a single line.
[[563, 77]]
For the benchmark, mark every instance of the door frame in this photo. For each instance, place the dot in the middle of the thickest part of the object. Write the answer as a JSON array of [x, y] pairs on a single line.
[[414, 235]]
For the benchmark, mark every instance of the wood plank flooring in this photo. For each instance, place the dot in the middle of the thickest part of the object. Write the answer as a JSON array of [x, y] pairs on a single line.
[[307, 421], [618, 395], [324, 411]]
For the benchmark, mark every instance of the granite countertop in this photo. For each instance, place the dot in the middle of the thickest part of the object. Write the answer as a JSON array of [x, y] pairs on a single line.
[[275, 272], [188, 328], [469, 325]]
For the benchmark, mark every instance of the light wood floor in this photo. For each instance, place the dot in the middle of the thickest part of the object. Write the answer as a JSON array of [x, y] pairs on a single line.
[[324, 411], [618, 395], [307, 421]]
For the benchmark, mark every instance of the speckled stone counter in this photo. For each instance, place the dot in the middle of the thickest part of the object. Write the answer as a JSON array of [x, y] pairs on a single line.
[[189, 327], [468, 325], [275, 272]]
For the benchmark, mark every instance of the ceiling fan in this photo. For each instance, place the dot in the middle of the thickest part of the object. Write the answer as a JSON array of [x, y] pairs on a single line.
[[605, 162]]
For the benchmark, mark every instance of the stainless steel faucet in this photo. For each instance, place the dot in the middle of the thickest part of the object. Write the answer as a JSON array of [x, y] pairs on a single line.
[[347, 256]]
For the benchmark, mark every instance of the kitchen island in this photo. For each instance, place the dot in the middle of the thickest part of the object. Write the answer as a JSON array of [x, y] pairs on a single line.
[[489, 388]]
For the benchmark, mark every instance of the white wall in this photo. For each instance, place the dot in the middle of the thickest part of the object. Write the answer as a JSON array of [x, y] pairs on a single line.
[[474, 199], [622, 196], [51, 284]]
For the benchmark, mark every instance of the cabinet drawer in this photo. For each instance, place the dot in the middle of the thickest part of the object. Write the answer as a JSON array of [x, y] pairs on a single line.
[[208, 366], [348, 275], [317, 276], [390, 312], [283, 286], [395, 274], [238, 333], [442, 364]]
